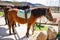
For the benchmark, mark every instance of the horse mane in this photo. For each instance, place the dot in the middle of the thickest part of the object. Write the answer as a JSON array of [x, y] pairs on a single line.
[[39, 12]]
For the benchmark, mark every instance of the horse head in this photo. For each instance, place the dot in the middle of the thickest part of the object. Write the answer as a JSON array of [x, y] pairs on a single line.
[[46, 12], [49, 15]]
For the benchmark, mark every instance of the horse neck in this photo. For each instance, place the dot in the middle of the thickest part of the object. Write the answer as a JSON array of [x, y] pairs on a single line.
[[32, 19]]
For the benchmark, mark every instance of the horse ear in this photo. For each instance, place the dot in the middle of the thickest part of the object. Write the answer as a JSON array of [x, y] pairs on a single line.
[[49, 8]]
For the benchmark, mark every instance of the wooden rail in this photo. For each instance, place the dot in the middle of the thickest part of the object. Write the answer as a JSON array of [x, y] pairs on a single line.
[[48, 23]]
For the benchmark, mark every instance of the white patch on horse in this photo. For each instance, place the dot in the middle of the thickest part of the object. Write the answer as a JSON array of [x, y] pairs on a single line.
[[21, 13]]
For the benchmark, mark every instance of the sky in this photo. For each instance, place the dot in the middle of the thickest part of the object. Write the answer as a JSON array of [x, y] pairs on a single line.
[[44, 2]]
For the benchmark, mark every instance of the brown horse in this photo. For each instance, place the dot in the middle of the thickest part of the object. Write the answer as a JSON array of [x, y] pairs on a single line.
[[35, 13], [5, 8], [5, 14]]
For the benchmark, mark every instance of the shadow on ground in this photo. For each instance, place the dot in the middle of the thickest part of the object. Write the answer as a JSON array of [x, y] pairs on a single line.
[[6, 39], [25, 38], [3, 34]]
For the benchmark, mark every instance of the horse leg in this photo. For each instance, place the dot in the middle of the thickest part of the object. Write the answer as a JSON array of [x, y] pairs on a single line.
[[33, 29], [9, 28], [13, 27], [28, 28], [6, 21]]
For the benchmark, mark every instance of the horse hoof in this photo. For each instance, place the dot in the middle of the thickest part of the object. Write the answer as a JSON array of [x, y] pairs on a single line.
[[5, 24], [27, 35], [10, 34], [14, 33]]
